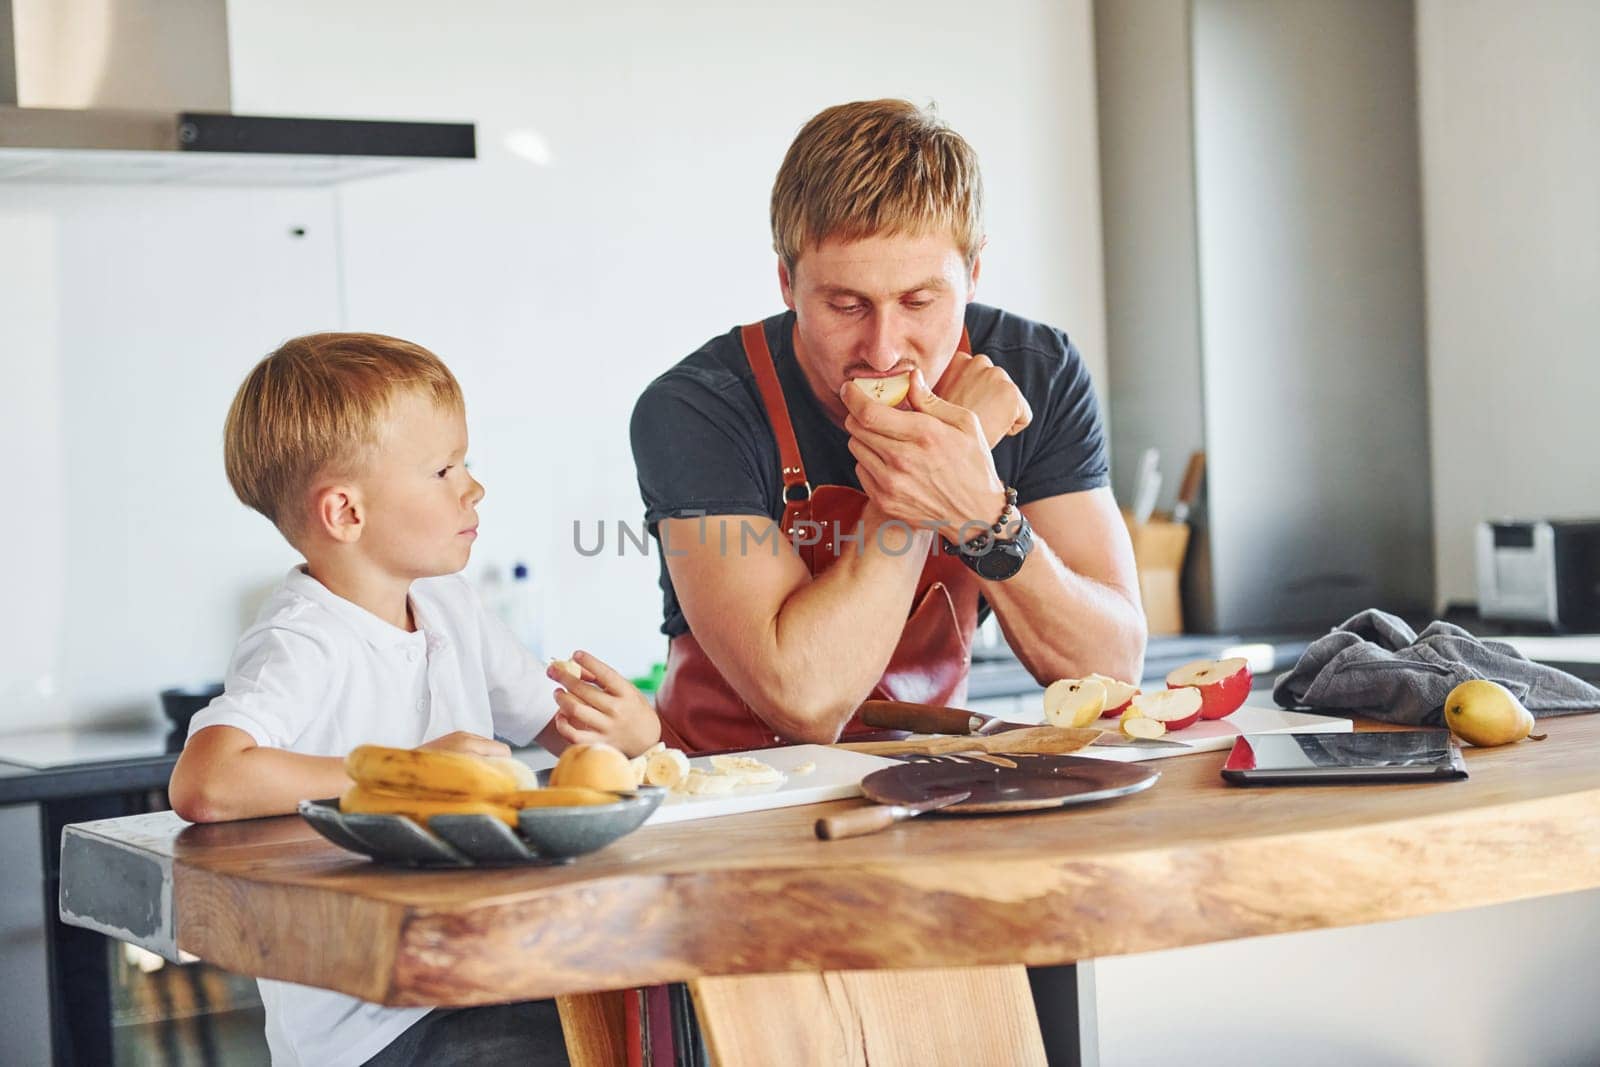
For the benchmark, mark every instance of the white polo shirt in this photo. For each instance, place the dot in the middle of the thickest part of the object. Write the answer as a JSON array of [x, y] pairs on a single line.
[[319, 675]]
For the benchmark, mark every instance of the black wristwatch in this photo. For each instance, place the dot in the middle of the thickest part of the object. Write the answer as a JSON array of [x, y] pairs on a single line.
[[999, 551]]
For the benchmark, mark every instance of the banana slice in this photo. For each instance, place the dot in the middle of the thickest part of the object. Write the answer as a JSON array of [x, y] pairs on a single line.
[[669, 767], [568, 665], [748, 771], [699, 783]]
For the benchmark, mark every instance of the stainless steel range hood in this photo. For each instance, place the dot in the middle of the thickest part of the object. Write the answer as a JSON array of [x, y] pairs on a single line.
[[140, 91]]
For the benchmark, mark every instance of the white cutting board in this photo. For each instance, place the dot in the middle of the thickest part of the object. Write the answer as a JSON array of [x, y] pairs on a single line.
[[837, 776], [1211, 735]]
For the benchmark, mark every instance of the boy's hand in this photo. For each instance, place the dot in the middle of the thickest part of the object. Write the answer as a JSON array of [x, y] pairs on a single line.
[[467, 743], [602, 706]]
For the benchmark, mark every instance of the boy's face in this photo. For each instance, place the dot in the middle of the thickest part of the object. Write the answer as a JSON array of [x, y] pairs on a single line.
[[877, 307], [421, 504]]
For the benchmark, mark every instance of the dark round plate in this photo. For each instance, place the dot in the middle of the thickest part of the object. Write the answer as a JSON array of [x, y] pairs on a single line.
[[543, 836], [1036, 782]]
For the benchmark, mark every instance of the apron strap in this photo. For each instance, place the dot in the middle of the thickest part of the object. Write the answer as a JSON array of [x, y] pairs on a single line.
[[796, 489]]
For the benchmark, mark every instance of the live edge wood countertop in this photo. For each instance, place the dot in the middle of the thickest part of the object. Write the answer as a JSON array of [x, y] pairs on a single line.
[[1191, 860]]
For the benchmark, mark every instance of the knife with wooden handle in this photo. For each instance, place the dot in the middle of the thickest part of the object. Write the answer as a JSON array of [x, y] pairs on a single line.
[[874, 817], [1189, 491], [921, 718]]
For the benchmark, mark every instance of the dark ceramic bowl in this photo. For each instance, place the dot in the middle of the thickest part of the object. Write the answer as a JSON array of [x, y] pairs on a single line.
[[543, 835]]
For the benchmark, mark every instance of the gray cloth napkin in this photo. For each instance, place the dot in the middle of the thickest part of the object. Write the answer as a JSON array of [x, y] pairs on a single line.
[[1373, 663]]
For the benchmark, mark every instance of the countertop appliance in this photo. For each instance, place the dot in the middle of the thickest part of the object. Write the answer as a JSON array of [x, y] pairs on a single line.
[[1544, 571]]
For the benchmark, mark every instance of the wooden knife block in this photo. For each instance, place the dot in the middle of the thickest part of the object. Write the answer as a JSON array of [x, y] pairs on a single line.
[[1158, 549]]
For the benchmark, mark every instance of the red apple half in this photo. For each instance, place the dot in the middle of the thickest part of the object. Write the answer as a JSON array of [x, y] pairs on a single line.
[[1118, 694], [1073, 702], [1175, 707], [1223, 683]]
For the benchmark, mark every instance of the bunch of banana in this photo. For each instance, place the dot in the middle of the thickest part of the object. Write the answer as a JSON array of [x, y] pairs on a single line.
[[421, 784], [439, 775], [359, 800]]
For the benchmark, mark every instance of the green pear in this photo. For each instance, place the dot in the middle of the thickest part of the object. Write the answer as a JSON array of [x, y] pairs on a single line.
[[1485, 714]]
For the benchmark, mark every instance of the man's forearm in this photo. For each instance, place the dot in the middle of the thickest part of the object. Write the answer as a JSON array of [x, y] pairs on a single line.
[[1062, 624], [833, 637]]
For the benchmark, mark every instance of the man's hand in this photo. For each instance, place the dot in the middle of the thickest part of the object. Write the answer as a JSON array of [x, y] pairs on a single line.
[[930, 466], [975, 383], [467, 744], [602, 706]]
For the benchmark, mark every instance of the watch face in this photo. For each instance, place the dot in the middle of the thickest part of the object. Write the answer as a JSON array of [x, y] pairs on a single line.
[[1003, 559]]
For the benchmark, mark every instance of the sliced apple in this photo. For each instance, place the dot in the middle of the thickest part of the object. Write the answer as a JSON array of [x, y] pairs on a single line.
[[1118, 694], [1175, 707], [1223, 683], [1073, 702], [891, 390], [1139, 726]]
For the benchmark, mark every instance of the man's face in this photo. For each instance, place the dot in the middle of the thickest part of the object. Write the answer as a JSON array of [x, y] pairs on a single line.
[[421, 504], [877, 307]]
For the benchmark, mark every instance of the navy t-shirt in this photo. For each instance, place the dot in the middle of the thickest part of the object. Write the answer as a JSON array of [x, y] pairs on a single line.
[[702, 444]]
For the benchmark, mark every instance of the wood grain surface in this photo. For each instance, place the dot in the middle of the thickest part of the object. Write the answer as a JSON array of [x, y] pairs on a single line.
[[595, 1028], [975, 1017], [1191, 860]]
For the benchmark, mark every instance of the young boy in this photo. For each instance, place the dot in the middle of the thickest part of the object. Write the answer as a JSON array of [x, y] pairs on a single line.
[[354, 446]]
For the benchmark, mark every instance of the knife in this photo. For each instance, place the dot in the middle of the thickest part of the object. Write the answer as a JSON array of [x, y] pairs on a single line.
[[1189, 491], [933, 719], [875, 817]]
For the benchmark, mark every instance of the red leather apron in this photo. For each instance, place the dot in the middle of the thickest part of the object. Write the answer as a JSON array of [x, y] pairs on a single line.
[[700, 712]]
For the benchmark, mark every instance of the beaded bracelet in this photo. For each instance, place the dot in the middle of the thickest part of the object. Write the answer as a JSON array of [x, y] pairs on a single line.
[[1008, 514], [980, 542]]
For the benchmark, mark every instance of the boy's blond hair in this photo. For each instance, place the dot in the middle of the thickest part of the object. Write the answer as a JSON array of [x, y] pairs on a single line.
[[876, 167], [318, 406]]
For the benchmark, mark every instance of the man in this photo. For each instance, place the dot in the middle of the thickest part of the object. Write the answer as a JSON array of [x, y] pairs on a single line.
[[986, 489]]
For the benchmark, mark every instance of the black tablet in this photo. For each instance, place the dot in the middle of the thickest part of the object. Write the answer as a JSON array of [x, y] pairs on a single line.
[[1391, 756]]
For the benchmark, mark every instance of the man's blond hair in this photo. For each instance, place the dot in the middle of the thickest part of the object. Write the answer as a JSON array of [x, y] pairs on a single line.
[[876, 167], [318, 406]]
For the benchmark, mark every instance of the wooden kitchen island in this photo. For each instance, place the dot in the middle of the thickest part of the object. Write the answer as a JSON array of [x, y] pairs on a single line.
[[785, 940]]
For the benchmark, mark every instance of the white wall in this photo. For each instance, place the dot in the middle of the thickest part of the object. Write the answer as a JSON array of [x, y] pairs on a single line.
[[128, 317], [1510, 119], [557, 292]]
